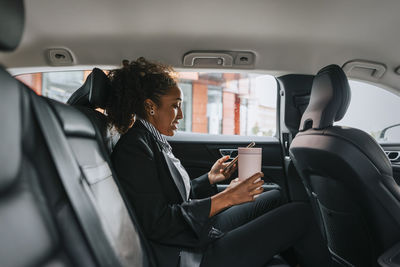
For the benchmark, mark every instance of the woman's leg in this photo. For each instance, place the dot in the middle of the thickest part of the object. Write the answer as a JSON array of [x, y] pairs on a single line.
[[255, 243], [244, 213]]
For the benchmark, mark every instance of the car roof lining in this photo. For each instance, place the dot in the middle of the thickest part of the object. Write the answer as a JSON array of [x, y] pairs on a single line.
[[286, 36]]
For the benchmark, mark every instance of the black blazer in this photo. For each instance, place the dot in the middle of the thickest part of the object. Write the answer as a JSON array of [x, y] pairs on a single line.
[[154, 189]]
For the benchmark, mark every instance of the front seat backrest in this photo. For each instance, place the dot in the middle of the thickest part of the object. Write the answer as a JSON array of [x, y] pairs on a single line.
[[347, 176]]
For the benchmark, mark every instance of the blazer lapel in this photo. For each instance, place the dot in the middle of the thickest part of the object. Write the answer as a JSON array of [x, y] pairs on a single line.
[[176, 176]]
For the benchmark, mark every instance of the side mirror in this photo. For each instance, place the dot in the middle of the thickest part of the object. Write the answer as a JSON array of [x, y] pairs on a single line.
[[391, 132]]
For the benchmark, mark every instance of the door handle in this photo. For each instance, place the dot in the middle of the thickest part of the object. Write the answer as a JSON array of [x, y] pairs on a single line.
[[231, 152]]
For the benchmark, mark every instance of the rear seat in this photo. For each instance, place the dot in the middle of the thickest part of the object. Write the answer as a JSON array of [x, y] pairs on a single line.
[[92, 157], [32, 189], [37, 226]]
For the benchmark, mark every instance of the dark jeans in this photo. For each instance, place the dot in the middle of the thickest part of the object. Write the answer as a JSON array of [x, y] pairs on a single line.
[[256, 231]]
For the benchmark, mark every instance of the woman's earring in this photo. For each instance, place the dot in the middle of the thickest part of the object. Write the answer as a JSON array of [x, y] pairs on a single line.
[[151, 112]]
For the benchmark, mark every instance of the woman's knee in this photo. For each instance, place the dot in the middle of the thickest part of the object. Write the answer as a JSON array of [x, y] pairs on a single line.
[[268, 201]]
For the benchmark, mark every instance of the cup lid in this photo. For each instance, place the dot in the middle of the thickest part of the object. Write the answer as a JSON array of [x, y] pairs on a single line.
[[251, 150]]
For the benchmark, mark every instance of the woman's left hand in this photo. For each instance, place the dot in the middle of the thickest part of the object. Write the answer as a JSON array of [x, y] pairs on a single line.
[[217, 173]]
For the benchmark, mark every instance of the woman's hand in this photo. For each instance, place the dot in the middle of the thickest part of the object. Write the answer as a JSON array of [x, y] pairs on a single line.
[[241, 191], [238, 191], [217, 173]]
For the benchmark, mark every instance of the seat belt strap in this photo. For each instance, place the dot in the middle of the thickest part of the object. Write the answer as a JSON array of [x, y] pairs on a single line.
[[72, 179]]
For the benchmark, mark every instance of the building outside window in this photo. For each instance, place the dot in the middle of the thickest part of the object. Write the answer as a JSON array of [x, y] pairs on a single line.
[[61, 85], [214, 109]]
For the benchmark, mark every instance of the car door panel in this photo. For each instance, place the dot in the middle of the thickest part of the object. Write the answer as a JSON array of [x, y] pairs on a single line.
[[198, 157]]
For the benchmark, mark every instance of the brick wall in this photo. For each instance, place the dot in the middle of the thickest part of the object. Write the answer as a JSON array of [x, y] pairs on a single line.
[[228, 113], [199, 108]]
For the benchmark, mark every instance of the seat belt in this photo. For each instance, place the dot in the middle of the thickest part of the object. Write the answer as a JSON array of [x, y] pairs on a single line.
[[72, 179]]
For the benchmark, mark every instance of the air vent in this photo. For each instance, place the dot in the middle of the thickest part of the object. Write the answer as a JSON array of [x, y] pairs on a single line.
[[60, 57]]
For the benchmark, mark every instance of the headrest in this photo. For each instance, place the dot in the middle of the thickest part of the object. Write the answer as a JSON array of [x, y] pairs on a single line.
[[10, 130], [12, 20], [94, 92], [329, 100]]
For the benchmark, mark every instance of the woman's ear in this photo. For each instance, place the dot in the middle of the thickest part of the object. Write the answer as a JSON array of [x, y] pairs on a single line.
[[150, 106], [147, 105]]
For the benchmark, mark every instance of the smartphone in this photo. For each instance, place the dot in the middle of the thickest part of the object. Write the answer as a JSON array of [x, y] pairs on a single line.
[[230, 165]]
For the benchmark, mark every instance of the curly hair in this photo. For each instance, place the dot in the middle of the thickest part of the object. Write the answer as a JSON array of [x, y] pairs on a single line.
[[131, 85]]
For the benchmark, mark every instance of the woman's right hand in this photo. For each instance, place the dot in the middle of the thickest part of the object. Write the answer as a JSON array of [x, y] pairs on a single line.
[[241, 191]]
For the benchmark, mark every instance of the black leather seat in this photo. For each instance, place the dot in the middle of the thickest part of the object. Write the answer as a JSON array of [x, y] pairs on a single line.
[[38, 225], [118, 220], [347, 176]]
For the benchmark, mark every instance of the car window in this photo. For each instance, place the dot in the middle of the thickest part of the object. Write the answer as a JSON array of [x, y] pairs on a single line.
[[228, 103], [58, 85], [373, 110], [214, 103]]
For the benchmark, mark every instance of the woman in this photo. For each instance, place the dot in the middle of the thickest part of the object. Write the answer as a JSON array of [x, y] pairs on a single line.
[[187, 220]]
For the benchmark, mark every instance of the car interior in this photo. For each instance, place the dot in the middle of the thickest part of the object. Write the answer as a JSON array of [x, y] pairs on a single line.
[[61, 203]]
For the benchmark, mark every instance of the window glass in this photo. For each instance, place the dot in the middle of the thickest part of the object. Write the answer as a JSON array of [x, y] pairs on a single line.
[[213, 103], [375, 111], [58, 85], [229, 103], [61, 85]]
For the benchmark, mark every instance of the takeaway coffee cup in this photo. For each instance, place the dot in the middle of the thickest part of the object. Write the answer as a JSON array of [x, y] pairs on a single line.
[[249, 161]]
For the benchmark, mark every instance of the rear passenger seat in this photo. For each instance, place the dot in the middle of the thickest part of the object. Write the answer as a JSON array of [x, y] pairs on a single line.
[[86, 142], [39, 226], [38, 222]]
